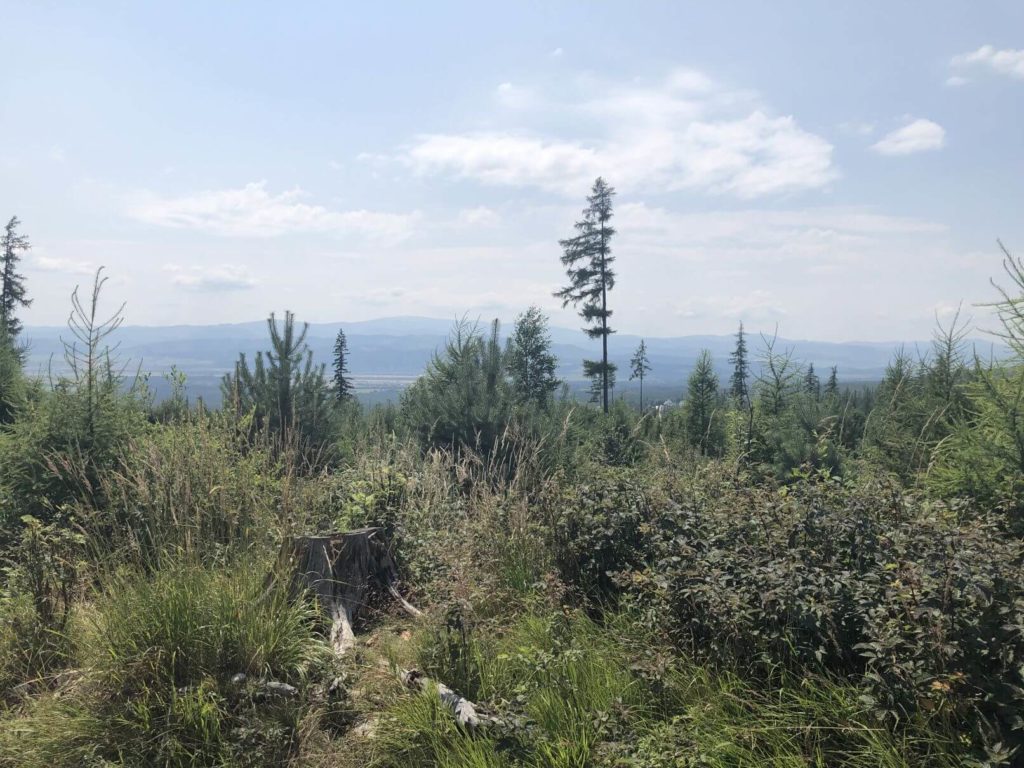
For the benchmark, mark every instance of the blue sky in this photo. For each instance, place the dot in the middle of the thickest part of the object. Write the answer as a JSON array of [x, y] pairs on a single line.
[[841, 170]]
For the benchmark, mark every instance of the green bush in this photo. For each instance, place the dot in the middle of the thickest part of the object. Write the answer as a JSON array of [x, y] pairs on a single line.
[[42, 577], [925, 611], [463, 400], [60, 447], [611, 695], [599, 528], [983, 458], [194, 489]]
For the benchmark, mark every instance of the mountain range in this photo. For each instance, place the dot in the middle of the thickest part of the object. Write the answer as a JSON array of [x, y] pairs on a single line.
[[386, 354]]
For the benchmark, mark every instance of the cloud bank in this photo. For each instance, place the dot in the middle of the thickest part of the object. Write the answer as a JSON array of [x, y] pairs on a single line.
[[685, 132]]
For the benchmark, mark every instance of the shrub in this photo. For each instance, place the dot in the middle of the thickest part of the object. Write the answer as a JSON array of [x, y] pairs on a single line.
[[983, 458], [463, 399], [609, 695], [42, 578], [924, 610], [58, 450], [599, 528]]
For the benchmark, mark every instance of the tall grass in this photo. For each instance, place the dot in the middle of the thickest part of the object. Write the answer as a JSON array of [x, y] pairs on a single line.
[[156, 687], [591, 695]]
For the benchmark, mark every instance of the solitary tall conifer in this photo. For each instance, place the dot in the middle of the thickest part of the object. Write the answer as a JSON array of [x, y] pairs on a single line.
[[738, 387], [640, 366], [342, 382], [12, 284], [587, 257]]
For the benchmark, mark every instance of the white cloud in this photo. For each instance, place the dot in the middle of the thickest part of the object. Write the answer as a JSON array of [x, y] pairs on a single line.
[[917, 136], [481, 216], [730, 262], [1007, 62], [252, 211], [221, 277], [556, 53], [955, 81], [684, 132], [58, 264], [497, 158]]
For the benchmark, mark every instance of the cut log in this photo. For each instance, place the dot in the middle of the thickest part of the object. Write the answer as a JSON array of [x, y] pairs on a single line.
[[339, 569]]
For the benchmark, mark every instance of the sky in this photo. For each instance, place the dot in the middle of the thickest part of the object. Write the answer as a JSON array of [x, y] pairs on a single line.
[[840, 171]]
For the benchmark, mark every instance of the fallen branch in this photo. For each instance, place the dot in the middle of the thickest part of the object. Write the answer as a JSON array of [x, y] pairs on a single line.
[[463, 709], [408, 607]]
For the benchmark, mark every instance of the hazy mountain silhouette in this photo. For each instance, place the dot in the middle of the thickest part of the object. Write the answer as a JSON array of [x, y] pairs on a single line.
[[387, 353]]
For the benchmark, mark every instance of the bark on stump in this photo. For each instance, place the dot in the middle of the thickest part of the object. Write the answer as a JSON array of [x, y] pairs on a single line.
[[339, 568]]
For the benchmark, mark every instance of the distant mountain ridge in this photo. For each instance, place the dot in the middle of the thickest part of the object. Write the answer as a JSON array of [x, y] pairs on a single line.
[[388, 353]]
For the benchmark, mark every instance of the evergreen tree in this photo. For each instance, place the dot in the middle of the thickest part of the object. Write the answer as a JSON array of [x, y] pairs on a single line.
[[462, 400], [640, 366], [812, 384], [777, 380], [529, 361], [284, 391], [12, 379], [832, 384], [342, 384], [738, 386], [12, 284], [703, 429], [602, 379], [587, 258]]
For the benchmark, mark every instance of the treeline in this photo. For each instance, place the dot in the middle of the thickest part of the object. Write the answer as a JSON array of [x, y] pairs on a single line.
[[946, 419]]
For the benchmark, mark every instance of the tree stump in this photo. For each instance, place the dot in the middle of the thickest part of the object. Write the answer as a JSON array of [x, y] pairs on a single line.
[[339, 569]]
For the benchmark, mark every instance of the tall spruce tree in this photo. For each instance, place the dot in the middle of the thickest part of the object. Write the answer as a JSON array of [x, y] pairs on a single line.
[[587, 257], [812, 384], [343, 389], [12, 284], [738, 386], [12, 379], [529, 361], [703, 430], [640, 366], [832, 384]]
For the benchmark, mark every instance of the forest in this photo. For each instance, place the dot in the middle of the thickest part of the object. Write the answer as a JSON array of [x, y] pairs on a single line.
[[784, 570]]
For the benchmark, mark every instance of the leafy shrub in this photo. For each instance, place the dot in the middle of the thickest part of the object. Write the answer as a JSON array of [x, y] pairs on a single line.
[[42, 578], [611, 695], [599, 528], [983, 458], [463, 399], [926, 611], [619, 436]]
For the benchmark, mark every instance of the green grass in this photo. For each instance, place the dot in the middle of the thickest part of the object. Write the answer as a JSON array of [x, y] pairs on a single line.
[[593, 695], [158, 656]]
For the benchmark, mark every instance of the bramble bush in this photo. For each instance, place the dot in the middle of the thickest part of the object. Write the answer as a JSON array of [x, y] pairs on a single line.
[[599, 528], [919, 605]]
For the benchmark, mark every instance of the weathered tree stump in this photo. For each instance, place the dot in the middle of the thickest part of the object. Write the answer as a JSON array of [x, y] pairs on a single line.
[[339, 569]]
